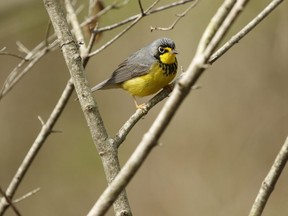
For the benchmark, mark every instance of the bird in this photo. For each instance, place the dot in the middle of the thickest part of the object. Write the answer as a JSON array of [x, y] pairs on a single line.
[[146, 71]]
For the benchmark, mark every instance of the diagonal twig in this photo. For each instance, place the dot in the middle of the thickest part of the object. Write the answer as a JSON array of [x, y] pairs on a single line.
[[26, 195], [132, 18], [270, 181], [139, 17], [179, 17]]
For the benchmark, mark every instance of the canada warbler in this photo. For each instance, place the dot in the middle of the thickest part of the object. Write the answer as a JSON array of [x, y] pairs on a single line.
[[146, 71]]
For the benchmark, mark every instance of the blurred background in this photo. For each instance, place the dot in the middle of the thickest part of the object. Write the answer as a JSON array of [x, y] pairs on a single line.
[[214, 154]]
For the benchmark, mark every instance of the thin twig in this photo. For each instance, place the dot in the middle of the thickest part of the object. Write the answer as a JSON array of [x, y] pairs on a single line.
[[13, 54], [132, 18], [115, 5], [140, 16], [91, 41], [85, 54], [75, 25], [41, 121], [15, 76], [179, 17], [270, 181], [141, 7], [26, 195]]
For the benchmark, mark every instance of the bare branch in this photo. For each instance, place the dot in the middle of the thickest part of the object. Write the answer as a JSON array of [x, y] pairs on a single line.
[[149, 12], [270, 181], [179, 16], [140, 16], [115, 5]]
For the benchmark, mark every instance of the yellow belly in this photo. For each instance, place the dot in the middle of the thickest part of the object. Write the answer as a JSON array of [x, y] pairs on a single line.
[[149, 83]]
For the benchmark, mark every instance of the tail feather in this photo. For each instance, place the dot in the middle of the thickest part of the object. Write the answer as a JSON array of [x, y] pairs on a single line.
[[106, 84]]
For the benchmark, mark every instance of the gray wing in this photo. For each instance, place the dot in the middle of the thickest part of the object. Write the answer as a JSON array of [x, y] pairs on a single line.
[[136, 65]]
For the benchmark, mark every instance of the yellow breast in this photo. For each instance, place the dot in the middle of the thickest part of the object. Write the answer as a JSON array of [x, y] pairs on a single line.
[[150, 83]]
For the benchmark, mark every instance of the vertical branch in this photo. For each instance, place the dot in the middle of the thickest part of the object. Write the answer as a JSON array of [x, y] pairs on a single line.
[[106, 150]]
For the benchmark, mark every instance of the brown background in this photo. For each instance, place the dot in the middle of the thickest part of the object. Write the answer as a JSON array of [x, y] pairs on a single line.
[[213, 156]]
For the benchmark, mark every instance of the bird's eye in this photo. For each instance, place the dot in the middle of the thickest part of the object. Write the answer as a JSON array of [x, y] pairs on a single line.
[[161, 49]]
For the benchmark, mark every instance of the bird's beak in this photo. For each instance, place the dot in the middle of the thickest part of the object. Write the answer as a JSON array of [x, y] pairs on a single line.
[[174, 51]]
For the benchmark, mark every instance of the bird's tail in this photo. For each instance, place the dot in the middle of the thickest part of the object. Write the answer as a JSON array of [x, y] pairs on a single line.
[[106, 84]]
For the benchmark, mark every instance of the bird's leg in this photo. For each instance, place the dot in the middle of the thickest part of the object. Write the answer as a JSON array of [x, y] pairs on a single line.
[[141, 106]]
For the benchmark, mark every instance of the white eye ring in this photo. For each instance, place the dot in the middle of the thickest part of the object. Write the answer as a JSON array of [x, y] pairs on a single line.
[[161, 49]]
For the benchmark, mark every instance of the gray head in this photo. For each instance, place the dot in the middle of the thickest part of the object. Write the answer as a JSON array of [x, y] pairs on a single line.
[[161, 46]]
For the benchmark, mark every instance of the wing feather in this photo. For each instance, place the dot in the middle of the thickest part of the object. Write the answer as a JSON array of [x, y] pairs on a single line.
[[135, 65]]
